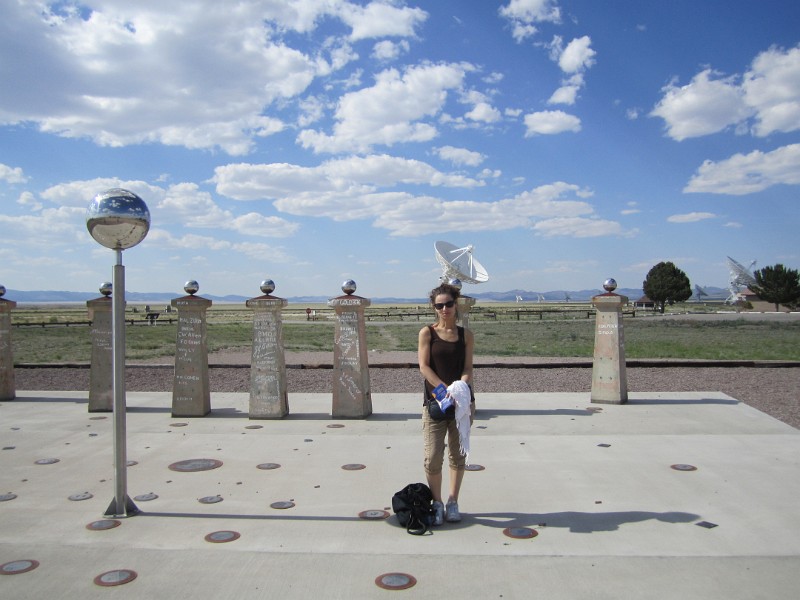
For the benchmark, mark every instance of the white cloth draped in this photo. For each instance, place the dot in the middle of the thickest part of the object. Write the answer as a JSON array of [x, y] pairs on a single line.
[[462, 395]]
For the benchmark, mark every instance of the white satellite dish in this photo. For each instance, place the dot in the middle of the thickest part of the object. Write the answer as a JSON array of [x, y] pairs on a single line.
[[458, 263], [739, 275]]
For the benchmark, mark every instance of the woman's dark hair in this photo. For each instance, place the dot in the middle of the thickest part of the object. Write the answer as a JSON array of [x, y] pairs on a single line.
[[445, 288]]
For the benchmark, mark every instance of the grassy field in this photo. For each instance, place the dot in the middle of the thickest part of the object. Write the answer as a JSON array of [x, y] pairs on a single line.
[[653, 337]]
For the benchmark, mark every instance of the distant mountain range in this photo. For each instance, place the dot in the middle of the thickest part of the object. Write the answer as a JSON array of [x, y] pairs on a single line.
[[509, 296]]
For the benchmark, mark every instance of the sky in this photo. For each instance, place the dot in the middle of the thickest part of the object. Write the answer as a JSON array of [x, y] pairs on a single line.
[[314, 141]]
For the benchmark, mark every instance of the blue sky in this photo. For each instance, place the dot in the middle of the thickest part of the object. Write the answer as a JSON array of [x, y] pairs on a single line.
[[313, 141]]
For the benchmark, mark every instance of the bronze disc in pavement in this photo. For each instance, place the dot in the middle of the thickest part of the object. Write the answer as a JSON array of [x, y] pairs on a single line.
[[268, 466], [395, 581], [353, 467], [81, 496], [47, 461], [284, 504], [254, 427], [520, 533], [115, 577], [103, 524], [220, 537], [474, 468], [210, 499], [145, 497], [681, 467], [7, 497], [15, 567], [334, 426], [373, 515], [195, 464]]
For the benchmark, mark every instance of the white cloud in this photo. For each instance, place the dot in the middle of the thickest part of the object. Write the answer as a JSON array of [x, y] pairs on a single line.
[[578, 227], [702, 107], [386, 50], [195, 74], [381, 19], [460, 156], [692, 217], [350, 176], [577, 56], [12, 174], [484, 112], [768, 94], [568, 92], [748, 173], [550, 122], [523, 14], [389, 112]]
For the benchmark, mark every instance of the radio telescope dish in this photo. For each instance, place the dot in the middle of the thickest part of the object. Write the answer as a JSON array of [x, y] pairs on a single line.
[[458, 263], [739, 275]]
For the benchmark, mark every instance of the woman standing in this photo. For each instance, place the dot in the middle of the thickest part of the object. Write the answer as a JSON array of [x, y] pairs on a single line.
[[445, 356]]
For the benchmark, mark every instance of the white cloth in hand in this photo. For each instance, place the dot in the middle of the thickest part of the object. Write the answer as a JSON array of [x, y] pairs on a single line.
[[462, 395]]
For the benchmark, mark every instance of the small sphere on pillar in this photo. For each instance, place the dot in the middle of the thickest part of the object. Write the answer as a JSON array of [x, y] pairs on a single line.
[[267, 286], [106, 288], [349, 287], [191, 287], [610, 285], [456, 283], [2, 291]]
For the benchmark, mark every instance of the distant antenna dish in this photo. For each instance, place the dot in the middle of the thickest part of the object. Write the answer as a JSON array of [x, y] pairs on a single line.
[[739, 275], [699, 292], [567, 297], [458, 263]]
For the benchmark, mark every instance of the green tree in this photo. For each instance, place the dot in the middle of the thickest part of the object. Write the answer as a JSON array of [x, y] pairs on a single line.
[[778, 285], [666, 284]]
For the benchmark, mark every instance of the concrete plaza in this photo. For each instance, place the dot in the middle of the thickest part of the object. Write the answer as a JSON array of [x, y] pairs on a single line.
[[674, 495]]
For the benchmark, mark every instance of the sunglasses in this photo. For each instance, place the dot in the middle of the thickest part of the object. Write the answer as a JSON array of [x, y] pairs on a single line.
[[441, 305]]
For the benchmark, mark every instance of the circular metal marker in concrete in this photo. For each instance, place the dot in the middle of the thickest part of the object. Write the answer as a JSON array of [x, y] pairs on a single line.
[[81, 496], [116, 577], [594, 409], [395, 581], [220, 537], [474, 468], [97, 418], [268, 466], [353, 467], [210, 499], [282, 504], [335, 426], [178, 424], [195, 464], [254, 427], [7, 497], [15, 567], [373, 515], [132, 463], [520, 533], [146, 497], [680, 467], [103, 524], [47, 461]]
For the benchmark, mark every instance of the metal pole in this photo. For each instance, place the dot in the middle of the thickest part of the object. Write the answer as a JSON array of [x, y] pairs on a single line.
[[121, 505]]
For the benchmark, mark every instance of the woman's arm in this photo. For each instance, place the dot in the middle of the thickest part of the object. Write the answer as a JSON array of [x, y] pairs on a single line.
[[469, 342]]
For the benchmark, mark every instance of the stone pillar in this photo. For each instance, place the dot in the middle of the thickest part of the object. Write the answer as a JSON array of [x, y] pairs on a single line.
[[609, 380], [8, 388], [465, 304], [351, 391], [101, 374], [191, 396], [268, 394]]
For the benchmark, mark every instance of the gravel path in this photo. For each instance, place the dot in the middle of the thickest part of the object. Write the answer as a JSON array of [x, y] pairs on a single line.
[[775, 391]]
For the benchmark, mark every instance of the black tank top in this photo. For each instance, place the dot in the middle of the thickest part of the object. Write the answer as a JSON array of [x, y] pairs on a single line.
[[446, 359]]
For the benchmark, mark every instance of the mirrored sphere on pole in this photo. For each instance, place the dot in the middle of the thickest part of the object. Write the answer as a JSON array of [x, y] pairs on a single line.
[[267, 286], [191, 287], [349, 286], [118, 219], [610, 285], [2, 291], [456, 283], [106, 288]]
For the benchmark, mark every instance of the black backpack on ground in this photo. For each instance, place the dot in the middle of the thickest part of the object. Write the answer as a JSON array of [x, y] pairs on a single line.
[[413, 506]]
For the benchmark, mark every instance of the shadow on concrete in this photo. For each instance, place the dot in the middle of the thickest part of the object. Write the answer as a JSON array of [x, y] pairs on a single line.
[[576, 522]]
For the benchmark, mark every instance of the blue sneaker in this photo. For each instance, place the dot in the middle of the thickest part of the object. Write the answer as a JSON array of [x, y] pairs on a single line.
[[438, 512], [453, 516]]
